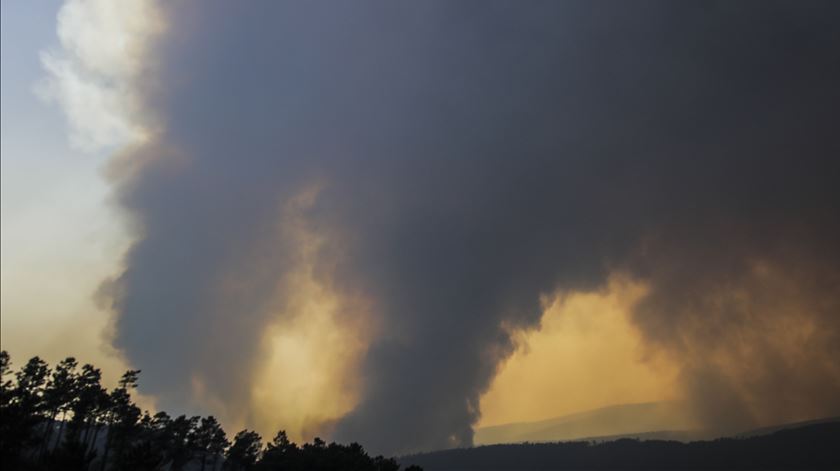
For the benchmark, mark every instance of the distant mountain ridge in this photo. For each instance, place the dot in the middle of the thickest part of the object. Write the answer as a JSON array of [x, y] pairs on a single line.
[[791, 447], [793, 425], [665, 420]]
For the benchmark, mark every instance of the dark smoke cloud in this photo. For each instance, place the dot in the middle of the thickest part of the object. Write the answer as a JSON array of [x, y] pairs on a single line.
[[472, 157], [751, 313]]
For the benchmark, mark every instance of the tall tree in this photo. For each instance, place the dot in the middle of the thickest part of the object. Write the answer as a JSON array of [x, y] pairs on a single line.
[[218, 444], [29, 392], [209, 439], [8, 415], [244, 452], [5, 369], [87, 404], [59, 395], [28, 396], [280, 453], [121, 416], [180, 433]]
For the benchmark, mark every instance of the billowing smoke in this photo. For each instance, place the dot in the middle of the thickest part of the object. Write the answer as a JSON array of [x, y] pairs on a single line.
[[461, 160], [752, 315]]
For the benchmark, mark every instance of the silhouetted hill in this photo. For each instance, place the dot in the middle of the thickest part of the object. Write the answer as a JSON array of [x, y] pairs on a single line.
[[667, 435], [668, 420], [808, 447], [776, 428]]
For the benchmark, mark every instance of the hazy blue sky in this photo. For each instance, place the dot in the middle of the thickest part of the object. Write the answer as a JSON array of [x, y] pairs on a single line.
[[59, 239]]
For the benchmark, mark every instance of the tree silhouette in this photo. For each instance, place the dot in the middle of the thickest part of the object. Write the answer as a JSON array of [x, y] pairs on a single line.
[[11, 423], [279, 452], [121, 416], [209, 440], [70, 455], [244, 451], [156, 431], [89, 402], [27, 405], [140, 456], [180, 435], [147, 448], [64, 419], [59, 396]]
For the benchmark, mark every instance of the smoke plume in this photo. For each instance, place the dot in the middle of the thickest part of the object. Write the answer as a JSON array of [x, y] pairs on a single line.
[[459, 161]]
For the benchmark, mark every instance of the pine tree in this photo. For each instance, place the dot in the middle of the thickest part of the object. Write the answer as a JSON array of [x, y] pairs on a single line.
[[121, 417], [180, 433], [244, 452], [59, 395], [209, 438]]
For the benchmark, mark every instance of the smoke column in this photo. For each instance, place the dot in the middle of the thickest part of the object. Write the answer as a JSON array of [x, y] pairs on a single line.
[[462, 161]]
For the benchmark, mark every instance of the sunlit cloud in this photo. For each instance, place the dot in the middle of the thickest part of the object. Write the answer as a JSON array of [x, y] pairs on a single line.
[[92, 76], [586, 354]]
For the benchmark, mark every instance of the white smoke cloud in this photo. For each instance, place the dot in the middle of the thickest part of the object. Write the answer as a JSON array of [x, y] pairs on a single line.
[[92, 76]]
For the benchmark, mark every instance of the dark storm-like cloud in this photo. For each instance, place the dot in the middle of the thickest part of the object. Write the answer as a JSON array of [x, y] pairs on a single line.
[[473, 157]]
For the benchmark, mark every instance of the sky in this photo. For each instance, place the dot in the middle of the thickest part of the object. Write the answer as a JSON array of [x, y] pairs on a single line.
[[348, 221], [60, 235]]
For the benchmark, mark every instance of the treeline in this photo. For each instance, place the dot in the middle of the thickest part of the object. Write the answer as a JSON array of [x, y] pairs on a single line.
[[63, 418], [807, 447]]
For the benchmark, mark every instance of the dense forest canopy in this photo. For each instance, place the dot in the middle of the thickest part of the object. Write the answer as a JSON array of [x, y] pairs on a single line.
[[63, 418]]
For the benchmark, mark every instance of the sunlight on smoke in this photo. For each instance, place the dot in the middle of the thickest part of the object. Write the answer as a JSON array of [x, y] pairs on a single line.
[[756, 348], [310, 378], [586, 355]]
